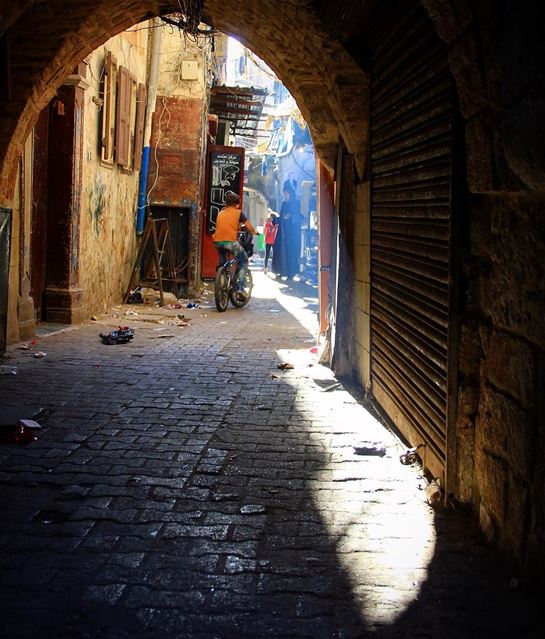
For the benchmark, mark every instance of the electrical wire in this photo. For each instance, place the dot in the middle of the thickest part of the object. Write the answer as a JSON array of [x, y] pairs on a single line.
[[96, 84], [202, 48], [267, 71], [148, 28], [155, 156]]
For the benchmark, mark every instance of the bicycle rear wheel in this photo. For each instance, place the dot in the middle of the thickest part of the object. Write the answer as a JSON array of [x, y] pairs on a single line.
[[241, 298], [221, 290]]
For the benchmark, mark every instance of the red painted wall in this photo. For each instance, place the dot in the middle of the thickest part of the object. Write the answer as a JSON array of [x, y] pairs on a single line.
[[325, 192], [176, 145], [209, 255], [176, 149]]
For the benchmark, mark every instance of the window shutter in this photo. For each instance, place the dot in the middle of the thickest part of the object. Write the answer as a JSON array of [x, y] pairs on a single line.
[[108, 109], [132, 122], [123, 124], [139, 131]]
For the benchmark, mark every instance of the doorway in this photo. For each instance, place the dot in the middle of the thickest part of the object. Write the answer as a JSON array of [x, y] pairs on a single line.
[[39, 209], [178, 223]]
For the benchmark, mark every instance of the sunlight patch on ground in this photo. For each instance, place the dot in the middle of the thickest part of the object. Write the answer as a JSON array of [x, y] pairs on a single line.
[[371, 505], [269, 288], [371, 502]]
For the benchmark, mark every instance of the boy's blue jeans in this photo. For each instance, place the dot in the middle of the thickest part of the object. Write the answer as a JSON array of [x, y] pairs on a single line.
[[236, 249]]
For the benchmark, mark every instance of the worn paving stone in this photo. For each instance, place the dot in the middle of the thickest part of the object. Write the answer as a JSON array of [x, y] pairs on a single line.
[[192, 489]]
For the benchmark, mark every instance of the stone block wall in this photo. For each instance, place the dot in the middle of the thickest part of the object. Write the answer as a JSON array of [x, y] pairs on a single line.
[[502, 371], [12, 329], [107, 227]]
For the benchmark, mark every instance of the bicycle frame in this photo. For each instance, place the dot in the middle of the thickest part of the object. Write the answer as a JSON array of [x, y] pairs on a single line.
[[226, 285], [231, 266]]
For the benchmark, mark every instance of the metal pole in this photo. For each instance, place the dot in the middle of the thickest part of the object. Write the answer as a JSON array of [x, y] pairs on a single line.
[[150, 108]]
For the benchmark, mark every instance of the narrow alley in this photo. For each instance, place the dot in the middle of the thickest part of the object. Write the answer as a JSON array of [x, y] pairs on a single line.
[[183, 485]]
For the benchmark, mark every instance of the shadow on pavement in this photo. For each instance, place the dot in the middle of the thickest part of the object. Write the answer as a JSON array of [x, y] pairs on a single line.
[[185, 487]]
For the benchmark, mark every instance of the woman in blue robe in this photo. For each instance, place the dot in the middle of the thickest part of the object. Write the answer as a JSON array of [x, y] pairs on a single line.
[[288, 240]]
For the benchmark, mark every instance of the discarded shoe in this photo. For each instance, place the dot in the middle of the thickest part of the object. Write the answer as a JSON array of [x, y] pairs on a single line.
[[123, 335], [410, 456], [285, 366], [135, 296], [19, 434]]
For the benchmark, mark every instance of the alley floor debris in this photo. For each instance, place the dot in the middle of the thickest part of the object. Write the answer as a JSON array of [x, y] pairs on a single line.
[[180, 489]]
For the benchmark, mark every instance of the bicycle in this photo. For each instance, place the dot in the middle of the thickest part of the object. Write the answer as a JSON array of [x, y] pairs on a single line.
[[228, 280]]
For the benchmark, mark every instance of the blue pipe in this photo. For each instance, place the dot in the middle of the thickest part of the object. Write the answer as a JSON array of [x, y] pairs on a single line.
[[142, 186]]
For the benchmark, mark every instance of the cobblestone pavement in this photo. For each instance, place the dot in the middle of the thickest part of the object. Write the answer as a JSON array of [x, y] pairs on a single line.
[[184, 486]]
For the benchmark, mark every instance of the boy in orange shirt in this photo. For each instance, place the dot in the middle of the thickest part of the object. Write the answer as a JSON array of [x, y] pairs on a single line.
[[228, 225]]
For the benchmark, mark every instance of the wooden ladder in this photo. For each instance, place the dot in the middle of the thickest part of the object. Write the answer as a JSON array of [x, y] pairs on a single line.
[[149, 264]]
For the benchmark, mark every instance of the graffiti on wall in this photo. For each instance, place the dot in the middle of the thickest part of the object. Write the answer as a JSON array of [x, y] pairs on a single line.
[[97, 203]]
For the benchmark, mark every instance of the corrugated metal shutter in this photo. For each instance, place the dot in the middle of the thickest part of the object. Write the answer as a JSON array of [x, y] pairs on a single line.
[[411, 158]]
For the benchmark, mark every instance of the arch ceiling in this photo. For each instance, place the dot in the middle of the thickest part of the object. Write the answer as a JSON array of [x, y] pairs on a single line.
[[307, 43], [48, 39]]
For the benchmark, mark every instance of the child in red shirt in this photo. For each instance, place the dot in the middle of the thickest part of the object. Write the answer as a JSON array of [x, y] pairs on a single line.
[[271, 229]]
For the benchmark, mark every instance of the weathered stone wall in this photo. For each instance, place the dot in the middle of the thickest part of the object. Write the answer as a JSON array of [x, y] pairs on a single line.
[[496, 53], [507, 236], [20, 319], [109, 192], [12, 331]]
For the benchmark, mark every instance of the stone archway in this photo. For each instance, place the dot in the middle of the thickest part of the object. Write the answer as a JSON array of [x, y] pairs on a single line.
[[47, 43], [308, 44], [495, 53]]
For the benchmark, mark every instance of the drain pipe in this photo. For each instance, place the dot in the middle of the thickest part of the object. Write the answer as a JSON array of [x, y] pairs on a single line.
[[150, 108]]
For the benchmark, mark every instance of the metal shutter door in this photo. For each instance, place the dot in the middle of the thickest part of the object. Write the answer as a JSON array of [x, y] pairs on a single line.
[[411, 151]]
